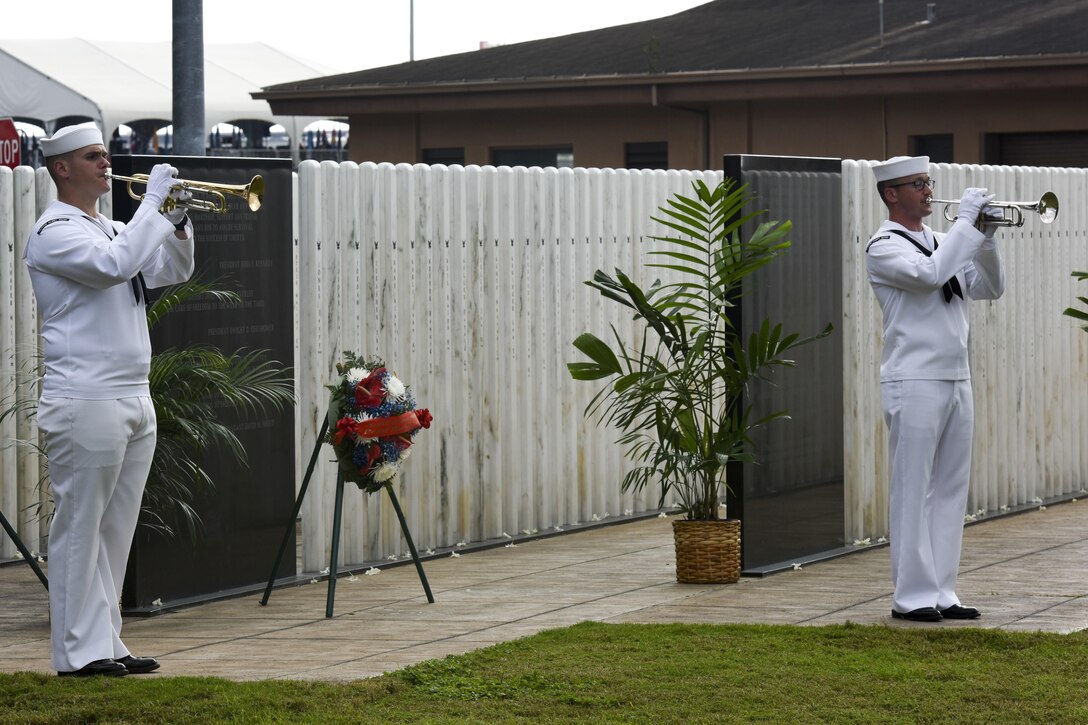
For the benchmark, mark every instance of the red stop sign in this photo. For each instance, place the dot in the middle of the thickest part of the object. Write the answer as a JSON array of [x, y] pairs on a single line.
[[9, 143]]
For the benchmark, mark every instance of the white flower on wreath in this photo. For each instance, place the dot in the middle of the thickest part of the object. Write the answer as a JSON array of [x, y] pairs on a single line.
[[394, 387], [385, 472], [355, 375]]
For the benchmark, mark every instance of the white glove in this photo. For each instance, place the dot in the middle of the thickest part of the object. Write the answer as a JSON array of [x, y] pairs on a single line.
[[972, 203], [161, 179], [990, 212], [179, 195]]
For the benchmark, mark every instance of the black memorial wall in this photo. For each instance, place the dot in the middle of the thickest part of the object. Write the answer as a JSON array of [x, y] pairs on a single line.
[[791, 502]]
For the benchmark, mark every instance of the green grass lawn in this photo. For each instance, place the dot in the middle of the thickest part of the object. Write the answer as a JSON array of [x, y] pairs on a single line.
[[632, 673]]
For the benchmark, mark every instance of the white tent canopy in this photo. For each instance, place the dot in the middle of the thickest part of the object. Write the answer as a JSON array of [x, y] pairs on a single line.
[[117, 82]]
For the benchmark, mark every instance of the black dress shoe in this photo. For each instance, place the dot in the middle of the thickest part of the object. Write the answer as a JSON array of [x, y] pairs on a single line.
[[138, 665], [958, 612], [109, 668], [922, 614]]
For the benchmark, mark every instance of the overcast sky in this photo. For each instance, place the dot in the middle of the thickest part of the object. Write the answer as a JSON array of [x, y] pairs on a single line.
[[347, 35]]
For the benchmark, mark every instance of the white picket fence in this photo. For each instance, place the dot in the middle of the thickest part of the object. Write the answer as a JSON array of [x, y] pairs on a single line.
[[468, 282]]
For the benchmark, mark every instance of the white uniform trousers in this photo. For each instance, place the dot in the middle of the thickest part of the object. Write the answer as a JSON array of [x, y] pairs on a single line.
[[99, 455], [930, 426]]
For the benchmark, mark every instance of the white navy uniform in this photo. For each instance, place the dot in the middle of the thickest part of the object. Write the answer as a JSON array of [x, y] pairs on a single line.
[[95, 410], [926, 392]]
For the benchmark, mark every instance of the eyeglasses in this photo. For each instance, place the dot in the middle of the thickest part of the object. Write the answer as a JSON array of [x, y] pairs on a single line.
[[918, 184]]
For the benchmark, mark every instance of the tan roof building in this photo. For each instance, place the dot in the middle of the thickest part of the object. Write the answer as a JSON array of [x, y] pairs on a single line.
[[1002, 82]]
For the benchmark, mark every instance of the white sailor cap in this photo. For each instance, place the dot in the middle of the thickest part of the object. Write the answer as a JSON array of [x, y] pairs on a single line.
[[71, 138], [898, 167]]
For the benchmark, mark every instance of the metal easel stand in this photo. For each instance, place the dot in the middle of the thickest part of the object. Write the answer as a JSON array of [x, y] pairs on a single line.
[[337, 516], [14, 535]]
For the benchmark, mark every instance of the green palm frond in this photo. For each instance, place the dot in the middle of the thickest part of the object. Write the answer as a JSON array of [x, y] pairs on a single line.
[[176, 295]]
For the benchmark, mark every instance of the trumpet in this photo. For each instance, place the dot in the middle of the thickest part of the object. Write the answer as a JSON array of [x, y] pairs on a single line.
[[1012, 212], [253, 193]]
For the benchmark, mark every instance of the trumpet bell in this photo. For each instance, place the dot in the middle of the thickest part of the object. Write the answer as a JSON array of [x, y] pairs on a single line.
[[255, 194], [1048, 207]]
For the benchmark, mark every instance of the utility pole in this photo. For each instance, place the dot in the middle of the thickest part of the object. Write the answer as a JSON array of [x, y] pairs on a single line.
[[188, 78], [411, 30]]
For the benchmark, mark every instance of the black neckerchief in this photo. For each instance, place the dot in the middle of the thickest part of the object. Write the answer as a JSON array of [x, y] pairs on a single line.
[[138, 284], [952, 286]]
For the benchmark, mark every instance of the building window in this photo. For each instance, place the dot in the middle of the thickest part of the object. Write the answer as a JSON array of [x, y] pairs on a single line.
[[938, 147], [648, 155], [448, 156], [543, 156]]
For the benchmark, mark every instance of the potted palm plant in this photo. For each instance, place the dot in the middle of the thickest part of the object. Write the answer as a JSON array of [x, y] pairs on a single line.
[[679, 395]]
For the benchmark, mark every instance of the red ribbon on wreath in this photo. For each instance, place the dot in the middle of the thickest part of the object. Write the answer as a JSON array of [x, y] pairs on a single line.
[[390, 427], [394, 425]]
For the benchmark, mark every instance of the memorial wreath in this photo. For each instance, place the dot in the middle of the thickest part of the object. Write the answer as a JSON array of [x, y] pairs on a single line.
[[372, 421]]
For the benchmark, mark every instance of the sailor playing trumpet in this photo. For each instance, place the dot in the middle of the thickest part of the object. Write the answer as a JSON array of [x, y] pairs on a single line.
[[90, 277], [923, 281]]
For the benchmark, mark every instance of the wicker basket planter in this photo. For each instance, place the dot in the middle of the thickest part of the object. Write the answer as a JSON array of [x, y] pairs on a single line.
[[707, 552]]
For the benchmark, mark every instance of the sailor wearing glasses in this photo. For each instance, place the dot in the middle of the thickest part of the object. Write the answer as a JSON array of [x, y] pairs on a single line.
[[923, 280]]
